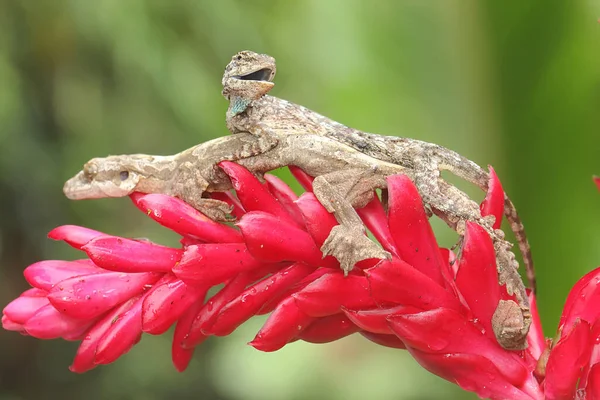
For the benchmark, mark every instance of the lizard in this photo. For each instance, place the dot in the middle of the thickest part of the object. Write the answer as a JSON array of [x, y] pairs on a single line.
[[193, 173], [247, 80]]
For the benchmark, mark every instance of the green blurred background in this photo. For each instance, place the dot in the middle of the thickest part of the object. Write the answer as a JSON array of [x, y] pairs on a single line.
[[512, 84]]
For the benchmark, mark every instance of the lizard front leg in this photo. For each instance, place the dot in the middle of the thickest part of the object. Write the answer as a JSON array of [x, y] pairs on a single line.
[[337, 192], [189, 185]]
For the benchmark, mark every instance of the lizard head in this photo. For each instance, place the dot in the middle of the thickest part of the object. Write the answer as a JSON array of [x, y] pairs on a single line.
[[248, 76], [113, 176]]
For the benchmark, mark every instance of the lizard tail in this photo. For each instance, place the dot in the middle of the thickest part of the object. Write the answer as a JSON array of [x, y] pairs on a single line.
[[519, 230], [471, 172]]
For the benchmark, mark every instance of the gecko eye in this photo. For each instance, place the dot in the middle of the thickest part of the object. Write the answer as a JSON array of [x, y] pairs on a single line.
[[124, 175], [260, 75], [90, 169]]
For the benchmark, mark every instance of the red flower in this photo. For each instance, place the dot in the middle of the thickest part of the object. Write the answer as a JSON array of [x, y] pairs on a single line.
[[422, 300], [573, 366]]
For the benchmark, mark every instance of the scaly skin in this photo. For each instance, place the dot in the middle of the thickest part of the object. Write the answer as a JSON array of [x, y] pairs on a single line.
[[247, 80], [187, 175]]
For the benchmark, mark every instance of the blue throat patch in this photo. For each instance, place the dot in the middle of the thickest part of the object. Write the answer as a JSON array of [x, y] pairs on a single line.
[[238, 105]]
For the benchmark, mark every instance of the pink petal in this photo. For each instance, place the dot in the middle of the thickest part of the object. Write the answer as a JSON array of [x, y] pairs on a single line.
[[126, 255], [207, 314], [124, 332], [273, 240], [328, 294], [317, 219], [48, 323], [375, 219], [597, 181], [444, 331], [493, 204], [410, 228], [182, 218], [328, 329], [471, 372], [449, 262], [250, 301], [46, 274], [35, 292], [583, 301], [477, 277], [23, 307], [273, 301], [76, 236], [302, 177], [212, 263], [285, 196], [11, 325], [396, 282], [79, 334], [595, 352], [592, 390], [89, 296], [180, 354], [566, 361], [229, 198], [253, 195], [84, 359], [384, 340], [166, 302], [535, 338], [376, 320], [282, 327]]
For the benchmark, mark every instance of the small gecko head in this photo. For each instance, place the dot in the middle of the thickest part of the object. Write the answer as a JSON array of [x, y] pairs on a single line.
[[113, 176], [248, 76]]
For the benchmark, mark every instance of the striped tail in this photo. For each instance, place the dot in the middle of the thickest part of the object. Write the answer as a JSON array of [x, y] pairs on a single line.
[[519, 230]]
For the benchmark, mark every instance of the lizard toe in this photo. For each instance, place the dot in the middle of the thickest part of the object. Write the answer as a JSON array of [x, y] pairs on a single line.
[[350, 245]]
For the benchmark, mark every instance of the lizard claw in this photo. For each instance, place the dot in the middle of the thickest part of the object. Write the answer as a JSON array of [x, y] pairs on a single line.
[[350, 245]]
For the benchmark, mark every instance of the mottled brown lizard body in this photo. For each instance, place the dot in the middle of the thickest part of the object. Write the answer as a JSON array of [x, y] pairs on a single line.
[[246, 82]]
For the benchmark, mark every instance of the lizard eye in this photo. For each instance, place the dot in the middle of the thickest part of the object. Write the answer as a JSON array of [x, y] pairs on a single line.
[[124, 175], [90, 169]]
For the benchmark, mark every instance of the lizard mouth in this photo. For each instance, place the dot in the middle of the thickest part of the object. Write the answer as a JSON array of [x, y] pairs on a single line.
[[263, 75]]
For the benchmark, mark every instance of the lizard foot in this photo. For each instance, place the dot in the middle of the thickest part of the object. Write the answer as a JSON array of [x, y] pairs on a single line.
[[350, 245], [510, 325], [216, 210]]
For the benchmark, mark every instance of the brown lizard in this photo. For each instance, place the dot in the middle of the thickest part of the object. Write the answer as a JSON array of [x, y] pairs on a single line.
[[247, 80], [192, 173]]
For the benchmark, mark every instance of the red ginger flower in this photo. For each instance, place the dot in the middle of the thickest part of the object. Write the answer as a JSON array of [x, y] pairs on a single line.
[[420, 300]]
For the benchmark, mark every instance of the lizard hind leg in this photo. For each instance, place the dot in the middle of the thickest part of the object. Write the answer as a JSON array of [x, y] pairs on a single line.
[[214, 209], [511, 320], [338, 192], [189, 185]]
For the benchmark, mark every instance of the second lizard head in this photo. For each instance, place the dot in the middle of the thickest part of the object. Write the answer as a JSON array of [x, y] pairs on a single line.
[[248, 77], [118, 176]]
